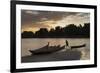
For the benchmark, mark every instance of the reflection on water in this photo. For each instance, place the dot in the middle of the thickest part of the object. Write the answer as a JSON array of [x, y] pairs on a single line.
[[34, 43]]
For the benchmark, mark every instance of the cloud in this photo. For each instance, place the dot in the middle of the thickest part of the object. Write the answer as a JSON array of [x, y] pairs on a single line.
[[32, 12], [47, 19], [32, 16], [78, 18], [83, 14]]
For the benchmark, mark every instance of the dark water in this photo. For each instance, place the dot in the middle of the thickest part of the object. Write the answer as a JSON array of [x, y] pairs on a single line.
[[34, 43]]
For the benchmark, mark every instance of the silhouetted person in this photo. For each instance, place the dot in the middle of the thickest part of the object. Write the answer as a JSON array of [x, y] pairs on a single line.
[[67, 43]]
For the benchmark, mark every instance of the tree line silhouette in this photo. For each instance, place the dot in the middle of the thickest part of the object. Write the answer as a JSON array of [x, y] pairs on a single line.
[[69, 31]]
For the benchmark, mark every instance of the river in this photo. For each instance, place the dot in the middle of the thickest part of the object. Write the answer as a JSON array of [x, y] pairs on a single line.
[[35, 43]]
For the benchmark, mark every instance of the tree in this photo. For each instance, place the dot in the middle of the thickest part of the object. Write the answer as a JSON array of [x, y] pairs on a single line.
[[70, 31], [43, 32], [27, 34]]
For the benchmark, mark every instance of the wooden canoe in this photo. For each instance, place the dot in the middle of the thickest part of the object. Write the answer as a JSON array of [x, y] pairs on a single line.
[[47, 50], [78, 46]]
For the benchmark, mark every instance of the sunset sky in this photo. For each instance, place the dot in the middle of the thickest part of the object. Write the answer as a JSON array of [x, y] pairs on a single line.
[[32, 20]]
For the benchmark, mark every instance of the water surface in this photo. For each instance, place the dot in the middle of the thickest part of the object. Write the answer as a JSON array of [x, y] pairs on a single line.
[[35, 43]]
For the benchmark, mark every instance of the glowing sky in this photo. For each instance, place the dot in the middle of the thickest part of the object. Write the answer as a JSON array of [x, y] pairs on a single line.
[[32, 20]]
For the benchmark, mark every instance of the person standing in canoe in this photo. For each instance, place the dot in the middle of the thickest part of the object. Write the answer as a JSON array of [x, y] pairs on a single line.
[[67, 45]]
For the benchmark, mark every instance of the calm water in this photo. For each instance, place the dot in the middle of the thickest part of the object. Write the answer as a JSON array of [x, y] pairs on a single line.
[[33, 44]]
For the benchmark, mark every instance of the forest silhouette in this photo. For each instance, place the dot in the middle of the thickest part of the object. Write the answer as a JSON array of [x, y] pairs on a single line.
[[69, 31]]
